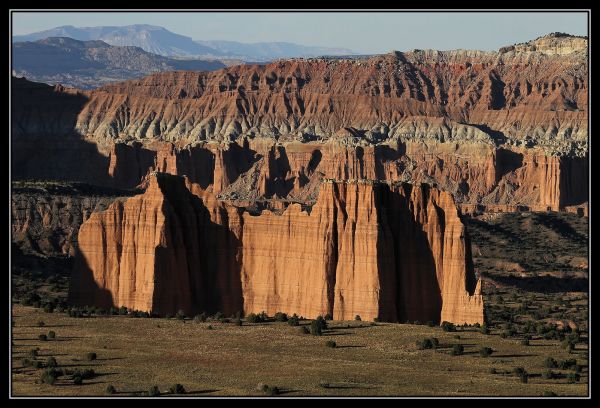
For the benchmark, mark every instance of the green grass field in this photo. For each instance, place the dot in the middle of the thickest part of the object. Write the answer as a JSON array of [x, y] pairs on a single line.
[[134, 354]]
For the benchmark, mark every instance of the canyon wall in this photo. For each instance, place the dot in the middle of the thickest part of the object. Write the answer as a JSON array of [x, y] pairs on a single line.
[[503, 130], [397, 252]]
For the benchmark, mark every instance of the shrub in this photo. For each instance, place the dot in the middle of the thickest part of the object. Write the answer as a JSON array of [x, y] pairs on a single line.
[[77, 379], [567, 364], [493, 370], [122, 310], [33, 353], [524, 378], [303, 330], [294, 321], [485, 351], [113, 311], [49, 376], [315, 328], [435, 343], [218, 316], [430, 323], [110, 389], [48, 308], [357, 318], [331, 344], [200, 318], [51, 335], [153, 391], [91, 356], [549, 394], [254, 318], [573, 377], [42, 337], [328, 317], [525, 342], [424, 344], [321, 322], [209, 327], [551, 363], [448, 327], [37, 364], [281, 317], [484, 329], [457, 336], [180, 315], [51, 362], [237, 321], [41, 323], [177, 389], [457, 349]]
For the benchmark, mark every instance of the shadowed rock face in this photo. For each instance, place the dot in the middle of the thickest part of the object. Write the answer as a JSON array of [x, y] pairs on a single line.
[[395, 252]]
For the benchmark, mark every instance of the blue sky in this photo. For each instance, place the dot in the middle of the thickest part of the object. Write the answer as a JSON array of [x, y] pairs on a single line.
[[361, 32]]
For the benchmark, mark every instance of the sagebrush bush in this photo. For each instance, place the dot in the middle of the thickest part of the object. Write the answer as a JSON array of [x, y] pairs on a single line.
[[331, 344], [294, 321], [91, 356], [303, 330], [315, 328], [424, 344], [281, 317], [321, 322], [485, 351], [42, 337], [457, 349], [49, 376], [448, 327], [51, 335], [177, 389], [110, 389], [551, 363], [254, 318], [51, 362]]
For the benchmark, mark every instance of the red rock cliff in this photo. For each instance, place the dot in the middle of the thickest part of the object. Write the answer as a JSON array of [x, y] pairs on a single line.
[[397, 253]]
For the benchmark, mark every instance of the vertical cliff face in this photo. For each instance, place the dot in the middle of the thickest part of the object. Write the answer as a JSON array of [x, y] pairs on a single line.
[[394, 252], [151, 253]]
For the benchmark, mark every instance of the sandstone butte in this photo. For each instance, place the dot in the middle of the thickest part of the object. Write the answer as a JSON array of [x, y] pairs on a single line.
[[394, 251], [503, 130]]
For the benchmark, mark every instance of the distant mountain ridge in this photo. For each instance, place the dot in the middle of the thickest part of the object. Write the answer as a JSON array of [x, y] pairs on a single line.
[[264, 51], [88, 64], [161, 41]]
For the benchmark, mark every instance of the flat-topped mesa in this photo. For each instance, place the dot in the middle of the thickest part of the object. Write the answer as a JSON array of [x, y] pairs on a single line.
[[552, 44], [397, 252]]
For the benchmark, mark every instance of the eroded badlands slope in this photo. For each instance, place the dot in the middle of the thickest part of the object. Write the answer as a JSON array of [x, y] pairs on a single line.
[[504, 129]]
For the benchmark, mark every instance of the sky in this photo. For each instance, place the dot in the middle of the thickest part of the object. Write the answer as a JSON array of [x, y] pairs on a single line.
[[361, 32]]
